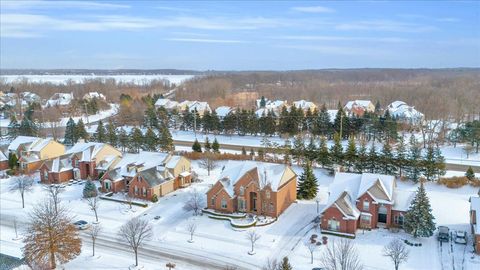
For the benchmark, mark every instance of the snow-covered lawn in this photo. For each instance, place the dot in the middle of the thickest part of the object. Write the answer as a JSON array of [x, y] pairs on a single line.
[[217, 240]]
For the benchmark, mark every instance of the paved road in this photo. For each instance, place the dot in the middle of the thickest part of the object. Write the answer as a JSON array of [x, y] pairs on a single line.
[[107, 242]]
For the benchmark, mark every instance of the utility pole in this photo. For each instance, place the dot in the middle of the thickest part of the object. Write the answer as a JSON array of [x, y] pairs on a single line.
[[341, 126], [195, 123], [86, 112]]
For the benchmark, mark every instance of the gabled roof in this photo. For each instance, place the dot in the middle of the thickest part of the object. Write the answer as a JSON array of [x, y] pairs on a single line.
[[156, 175], [91, 95], [85, 151], [303, 104], [142, 161], [59, 164], [266, 174], [475, 206], [60, 99], [223, 111], [358, 103], [21, 140], [3, 157]]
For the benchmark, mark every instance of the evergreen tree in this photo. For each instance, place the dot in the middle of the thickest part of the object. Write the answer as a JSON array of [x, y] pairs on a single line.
[[323, 126], [215, 122], [13, 127], [340, 123], [470, 174], [284, 121], [112, 137], [136, 140], [263, 102], [12, 160], [307, 183], [89, 190], [196, 147], [361, 164], [187, 119], [372, 165], [378, 107], [80, 132], [285, 264], [244, 151], [336, 151], [123, 139], [215, 146], [350, 154], [419, 220], [252, 152], [298, 149], [150, 140], [207, 145], [413, 169], [100, 134], [28, 127], [311, 150], [151, 119], [386, 160], [165, 141], [401, 157], [439, 162], [428, 163], [229, 123], [69, 138], [323, 157]]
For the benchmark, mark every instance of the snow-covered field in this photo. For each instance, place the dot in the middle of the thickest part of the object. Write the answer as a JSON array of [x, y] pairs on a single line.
[[218, 241], [62, 79]]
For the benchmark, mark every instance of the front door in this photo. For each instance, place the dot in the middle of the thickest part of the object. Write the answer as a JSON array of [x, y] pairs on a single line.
[[333, 225], [253, 202], [382, 214]]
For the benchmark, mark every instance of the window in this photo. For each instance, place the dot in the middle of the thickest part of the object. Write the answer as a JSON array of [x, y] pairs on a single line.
[[107, 185], [241, 204], [267, 194], [144, 191], [365, 219], [333, 225], [212, 201], [224, 203], [136, 190], [398, 220], [242, 190], [271, 208], [366, 205]]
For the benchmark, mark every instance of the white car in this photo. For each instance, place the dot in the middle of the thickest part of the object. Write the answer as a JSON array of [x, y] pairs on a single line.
[[461, 237], [81, 225]]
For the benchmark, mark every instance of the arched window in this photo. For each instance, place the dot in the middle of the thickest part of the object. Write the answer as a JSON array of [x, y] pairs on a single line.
[[242, 190], [224, 203], [366, 205]]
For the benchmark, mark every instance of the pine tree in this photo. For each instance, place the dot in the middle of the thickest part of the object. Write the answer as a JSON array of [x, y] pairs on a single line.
[[298, 149], [123, 139], [323, 157], [263, 102], [244, 151], [89, 190], [336, 151], [100, 134], [196, 147], [311, 150], [372, 165], [350, 154], [386, 160], [13, 127], [307, 183], [361, 162], [215, 146], [470, 174], [28, 127], [12, 160], [419, 220], [439, 163], [69, 138], [428, 163], [150, 140], [400, 157], [136, 140], [80, 132], [413, 169], [165, 141], [323, 126], [252, 152], [207, 145], [285, 264], [112, 137], [151, 119]]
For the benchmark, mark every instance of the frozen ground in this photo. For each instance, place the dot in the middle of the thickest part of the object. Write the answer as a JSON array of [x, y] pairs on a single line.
[[217, 241], [61, 79]]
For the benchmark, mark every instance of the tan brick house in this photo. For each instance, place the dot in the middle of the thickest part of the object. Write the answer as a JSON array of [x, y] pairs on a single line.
[[79, 162], [253, 187], [147, 173], [33, 151], [364, 201], [474, 222]]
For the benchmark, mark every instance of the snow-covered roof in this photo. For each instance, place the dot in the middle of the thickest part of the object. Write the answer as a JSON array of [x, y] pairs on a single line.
[[91, 95], [264, 112], [475, 206], [141, 161], [162, 102], [166, 103], [267, 173], [21, 140], [304, 105], [350, 186], [401, 110], [199, 106], [223, 111], [39, 144], [396, 104], [3, 157], [332, 114], [359, 103], [60, 99], [172, 162], [272, 104], [402, 198]]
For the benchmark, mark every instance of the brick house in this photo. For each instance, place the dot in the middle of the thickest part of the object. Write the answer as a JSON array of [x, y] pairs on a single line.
[[3, 161], [474, 222], [33, 151], [364, 201], [79, 162], [253, 187], [147, 173], [359, 107]]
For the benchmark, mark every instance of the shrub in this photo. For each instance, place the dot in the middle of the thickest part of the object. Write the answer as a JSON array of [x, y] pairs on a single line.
[[154, 198], [454, 182], [90, 190]]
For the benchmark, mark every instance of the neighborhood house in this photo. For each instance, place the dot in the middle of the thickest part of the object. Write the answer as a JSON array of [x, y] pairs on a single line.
[[359, 107], [33, 151], [364, 201], [253, 187], [474, 222]]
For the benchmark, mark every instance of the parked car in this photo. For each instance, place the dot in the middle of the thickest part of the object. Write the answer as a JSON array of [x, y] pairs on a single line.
[[443, 234], [461, 237], [81, 225]]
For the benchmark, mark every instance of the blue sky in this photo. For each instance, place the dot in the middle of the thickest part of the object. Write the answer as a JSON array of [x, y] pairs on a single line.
[[235, 35]]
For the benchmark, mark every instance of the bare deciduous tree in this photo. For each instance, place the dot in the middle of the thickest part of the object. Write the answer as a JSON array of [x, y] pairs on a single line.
[[270, 264], [22, 184], [93, 232], [195, 203], [93, 204], [397, 251], [253, 237], [468, 149], [208, 162], [341, 255], [191, 228], [15, 226], [135, 232], [50, 236], [54, 192], [311, 246]]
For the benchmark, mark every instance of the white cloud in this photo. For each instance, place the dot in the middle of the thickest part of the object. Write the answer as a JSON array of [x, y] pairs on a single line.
[[342, 38], [385, 25], [313, 9], [38, 4], [205, 40]]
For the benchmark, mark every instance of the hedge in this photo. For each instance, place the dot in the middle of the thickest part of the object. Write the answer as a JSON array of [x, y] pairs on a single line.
[[124, 201]]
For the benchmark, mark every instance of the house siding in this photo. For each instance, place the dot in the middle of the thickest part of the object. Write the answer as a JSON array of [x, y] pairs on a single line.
[[3, 165], [346, 225]]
